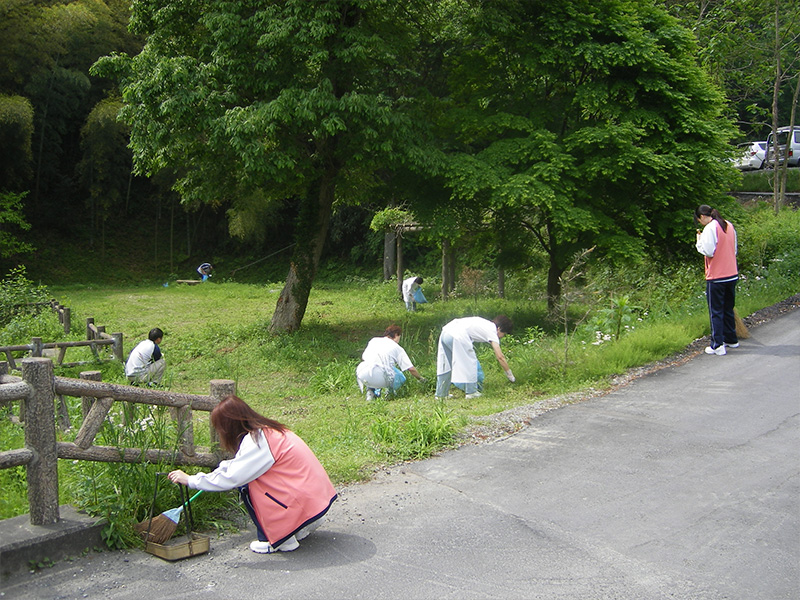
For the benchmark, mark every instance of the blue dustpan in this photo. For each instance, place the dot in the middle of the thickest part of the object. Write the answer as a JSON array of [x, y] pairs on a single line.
[[174, 514]]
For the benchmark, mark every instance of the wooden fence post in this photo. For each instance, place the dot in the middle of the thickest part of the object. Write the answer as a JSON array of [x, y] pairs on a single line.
[[182, 416], [40, 437], [445, 268], [89, 331], [117, 347], [399, 265], [67, 320], [220, 389], [36, 346]]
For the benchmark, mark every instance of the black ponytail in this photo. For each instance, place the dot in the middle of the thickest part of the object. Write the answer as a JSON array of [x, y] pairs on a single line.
[[706, 210]]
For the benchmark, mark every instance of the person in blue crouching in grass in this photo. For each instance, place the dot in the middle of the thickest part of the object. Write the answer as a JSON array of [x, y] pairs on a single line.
[[383, 363], [205, 271]]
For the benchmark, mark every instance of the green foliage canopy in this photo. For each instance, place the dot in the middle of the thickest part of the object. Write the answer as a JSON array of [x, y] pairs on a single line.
[[589, 124], [12, 220], [253, 103], [16, 133]]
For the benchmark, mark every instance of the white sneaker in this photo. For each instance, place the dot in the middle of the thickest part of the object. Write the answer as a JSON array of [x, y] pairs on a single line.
[[303, 533], [473, 395], [719, 350], [261, 547], [736, 345], [266, 547]]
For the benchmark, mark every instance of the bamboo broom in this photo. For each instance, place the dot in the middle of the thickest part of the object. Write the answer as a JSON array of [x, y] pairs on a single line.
[[161, 527], [741, 329]]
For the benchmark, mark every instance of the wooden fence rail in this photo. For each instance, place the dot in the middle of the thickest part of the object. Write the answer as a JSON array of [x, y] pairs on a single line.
[[37, 389], [96, 337]]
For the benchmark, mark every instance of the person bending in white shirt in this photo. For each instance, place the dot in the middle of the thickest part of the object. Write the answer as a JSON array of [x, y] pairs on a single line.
[[456, 361], [410, 286], [383, 363]]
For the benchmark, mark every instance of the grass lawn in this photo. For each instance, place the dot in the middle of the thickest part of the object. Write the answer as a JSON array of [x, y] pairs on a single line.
[[219, 330]]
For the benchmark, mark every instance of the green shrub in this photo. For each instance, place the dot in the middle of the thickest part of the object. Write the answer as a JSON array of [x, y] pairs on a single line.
[[20, 297]]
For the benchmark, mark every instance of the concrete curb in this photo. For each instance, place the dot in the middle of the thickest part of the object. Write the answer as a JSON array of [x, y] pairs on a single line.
[[23, 544]]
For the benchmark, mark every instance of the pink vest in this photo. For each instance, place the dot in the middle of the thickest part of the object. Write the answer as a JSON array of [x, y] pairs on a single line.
[[294, 491], [723, 264]]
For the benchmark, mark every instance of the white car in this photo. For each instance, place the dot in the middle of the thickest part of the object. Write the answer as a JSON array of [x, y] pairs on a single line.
[[752, 156], [788, 149]]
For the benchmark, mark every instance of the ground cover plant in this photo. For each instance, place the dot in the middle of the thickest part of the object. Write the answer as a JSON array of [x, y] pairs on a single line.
[[616, 319]]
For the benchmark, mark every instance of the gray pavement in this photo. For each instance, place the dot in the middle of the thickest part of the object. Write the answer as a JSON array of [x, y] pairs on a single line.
[[684, 484]]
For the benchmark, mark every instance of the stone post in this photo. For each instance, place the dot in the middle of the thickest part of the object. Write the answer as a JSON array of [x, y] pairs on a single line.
[[40, 438], [117, 347]]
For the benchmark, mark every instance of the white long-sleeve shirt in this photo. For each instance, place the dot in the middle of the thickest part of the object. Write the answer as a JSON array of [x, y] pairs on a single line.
[[250, 462], [410, 286], [709, 238]]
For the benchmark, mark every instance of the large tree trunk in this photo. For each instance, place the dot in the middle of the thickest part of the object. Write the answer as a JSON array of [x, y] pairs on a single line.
[[312, 230]]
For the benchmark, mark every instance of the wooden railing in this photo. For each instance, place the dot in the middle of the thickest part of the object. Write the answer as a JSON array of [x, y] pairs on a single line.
[[64, 314], [96, 337], [37, 389]]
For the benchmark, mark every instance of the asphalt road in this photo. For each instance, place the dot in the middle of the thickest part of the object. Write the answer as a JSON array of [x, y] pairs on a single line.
[[682, 485]]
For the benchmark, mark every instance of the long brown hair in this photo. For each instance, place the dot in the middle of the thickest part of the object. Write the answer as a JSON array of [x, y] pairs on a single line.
[[233, 419]]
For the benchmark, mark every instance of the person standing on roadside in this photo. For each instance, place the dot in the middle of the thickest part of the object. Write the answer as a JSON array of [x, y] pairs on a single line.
[[718, 244]]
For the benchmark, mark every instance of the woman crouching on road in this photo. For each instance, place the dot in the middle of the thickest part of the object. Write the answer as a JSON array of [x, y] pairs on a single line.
[[284, 487]]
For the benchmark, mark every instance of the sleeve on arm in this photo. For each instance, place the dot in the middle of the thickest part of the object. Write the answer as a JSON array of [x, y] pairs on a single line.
[[251, 461], [707, 242], [403, 362]]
